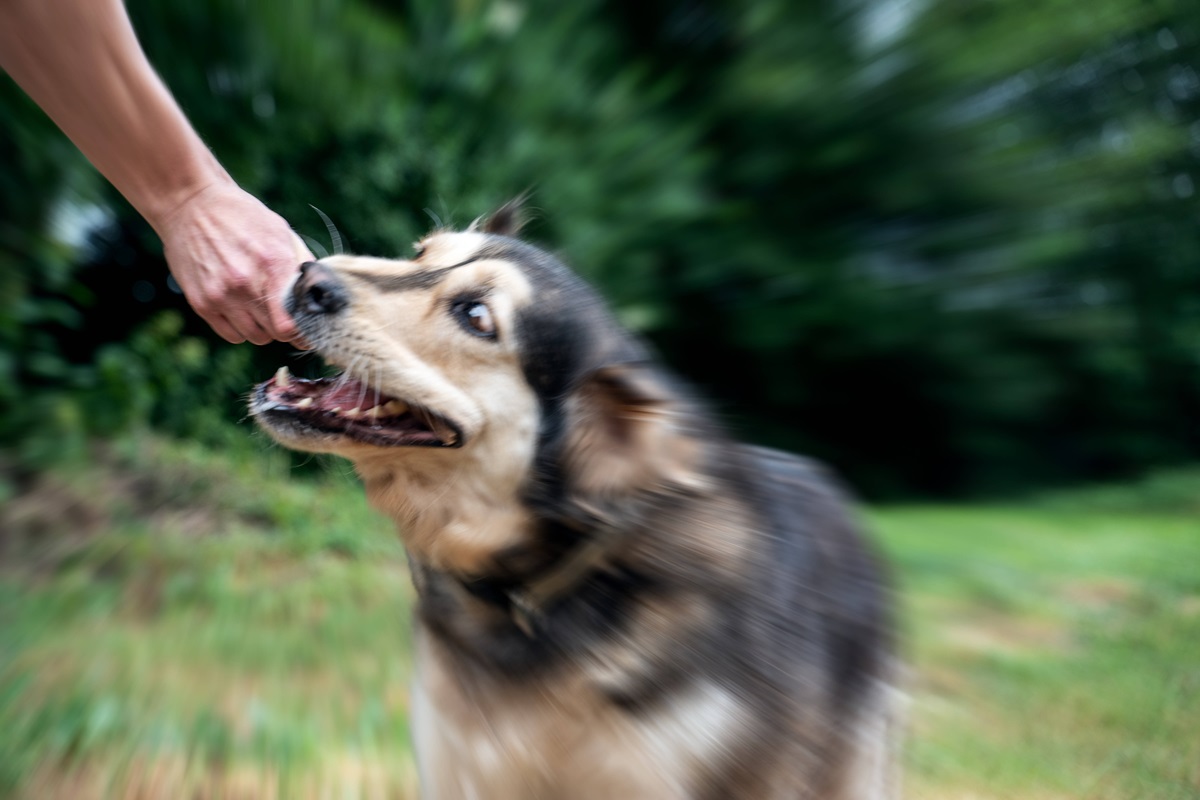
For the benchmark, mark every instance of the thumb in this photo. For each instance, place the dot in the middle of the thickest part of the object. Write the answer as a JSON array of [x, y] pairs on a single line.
[[303, 254]]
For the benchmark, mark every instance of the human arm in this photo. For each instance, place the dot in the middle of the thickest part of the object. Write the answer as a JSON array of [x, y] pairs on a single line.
[[81, 62]]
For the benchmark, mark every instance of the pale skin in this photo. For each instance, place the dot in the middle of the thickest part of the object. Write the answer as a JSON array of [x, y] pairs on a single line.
[[232, 256]]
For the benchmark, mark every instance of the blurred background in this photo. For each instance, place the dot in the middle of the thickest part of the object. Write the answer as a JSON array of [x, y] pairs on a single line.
[[951, 248]]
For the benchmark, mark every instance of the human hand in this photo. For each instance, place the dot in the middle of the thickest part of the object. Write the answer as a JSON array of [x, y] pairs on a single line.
[[233, 257]]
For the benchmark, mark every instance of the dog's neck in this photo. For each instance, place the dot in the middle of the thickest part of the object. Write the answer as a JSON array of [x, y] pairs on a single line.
[[451, 517], [482, 534]]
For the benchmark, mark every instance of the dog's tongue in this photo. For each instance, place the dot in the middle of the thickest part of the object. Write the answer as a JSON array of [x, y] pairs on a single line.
[[350, 393], [348, 405], [341, 394]]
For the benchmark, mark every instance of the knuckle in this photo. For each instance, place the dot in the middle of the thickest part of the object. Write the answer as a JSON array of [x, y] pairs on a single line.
[[204, 305], [268, 260], [240, 282]]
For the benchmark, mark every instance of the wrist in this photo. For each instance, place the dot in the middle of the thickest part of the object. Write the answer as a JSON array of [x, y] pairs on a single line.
[[161, 201]]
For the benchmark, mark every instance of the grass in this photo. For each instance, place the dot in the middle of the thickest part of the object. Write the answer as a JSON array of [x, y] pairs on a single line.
[[1055, 652], [174, 623]]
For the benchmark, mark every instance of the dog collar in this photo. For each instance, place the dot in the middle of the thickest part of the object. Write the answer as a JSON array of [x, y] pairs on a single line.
[[529, 601]]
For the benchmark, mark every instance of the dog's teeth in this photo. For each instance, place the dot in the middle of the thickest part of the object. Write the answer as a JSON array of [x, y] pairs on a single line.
[[335, 409], [353, 412], [282, 378], [305, 403], [373, 413], [394, 408]]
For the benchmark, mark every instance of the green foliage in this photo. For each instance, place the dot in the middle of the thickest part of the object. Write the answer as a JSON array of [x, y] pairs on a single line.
[[157, 376], [1166, 492]]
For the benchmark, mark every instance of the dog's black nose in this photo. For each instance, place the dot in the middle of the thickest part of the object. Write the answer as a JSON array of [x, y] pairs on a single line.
[[318, 290]]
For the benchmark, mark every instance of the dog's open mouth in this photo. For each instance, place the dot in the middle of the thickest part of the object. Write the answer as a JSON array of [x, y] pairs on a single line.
[[345, 406]]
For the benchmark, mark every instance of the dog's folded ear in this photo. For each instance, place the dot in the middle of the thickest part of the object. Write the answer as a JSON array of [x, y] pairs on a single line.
[[508, 220], [629, 435]]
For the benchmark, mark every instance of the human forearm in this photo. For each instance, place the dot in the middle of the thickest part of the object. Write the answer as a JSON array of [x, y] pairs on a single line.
[[81, 62], [232, 256]]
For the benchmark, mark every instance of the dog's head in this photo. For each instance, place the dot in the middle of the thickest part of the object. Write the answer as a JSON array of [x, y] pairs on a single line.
[[475, 376]]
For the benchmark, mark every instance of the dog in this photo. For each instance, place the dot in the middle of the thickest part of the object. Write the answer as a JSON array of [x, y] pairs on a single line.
[[615, 598]]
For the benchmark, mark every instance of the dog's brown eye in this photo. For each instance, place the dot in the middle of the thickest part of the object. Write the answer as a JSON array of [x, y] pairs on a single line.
[[477, 318]]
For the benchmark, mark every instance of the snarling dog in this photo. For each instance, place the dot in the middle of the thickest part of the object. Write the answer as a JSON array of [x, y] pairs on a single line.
[[615, 599]]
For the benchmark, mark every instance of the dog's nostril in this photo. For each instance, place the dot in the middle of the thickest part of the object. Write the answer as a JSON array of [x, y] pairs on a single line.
[[325, 297], [319, 290]]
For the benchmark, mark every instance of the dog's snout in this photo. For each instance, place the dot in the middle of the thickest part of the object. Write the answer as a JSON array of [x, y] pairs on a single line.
[[318, 290]]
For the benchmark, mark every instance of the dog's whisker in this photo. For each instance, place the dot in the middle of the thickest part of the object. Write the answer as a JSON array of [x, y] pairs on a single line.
[[316, 247], [348, 373], [335, 237], [362, 395]]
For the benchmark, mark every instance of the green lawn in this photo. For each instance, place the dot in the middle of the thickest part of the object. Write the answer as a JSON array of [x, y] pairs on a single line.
[[175, 623], [1055, 653]]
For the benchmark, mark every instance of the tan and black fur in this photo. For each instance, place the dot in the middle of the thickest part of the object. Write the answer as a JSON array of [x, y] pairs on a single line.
[[616, 600]]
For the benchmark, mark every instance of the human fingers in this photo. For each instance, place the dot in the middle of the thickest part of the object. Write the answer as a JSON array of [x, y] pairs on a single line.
[[301, 254], [277, 272], [224, 329], [208, 308], [280, 324], [248, 326]]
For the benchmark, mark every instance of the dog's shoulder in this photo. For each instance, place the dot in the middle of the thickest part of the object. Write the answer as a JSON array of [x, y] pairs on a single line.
[[811, 518], [797, 497], [819, 565], [802, 472]]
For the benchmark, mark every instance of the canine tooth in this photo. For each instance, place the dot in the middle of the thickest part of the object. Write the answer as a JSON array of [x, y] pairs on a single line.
[[282, 378], [353, 412], [373, 413], [305, 403], [335, 409], [393, 407]]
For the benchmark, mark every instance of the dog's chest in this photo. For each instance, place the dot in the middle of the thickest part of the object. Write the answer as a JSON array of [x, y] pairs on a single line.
[[558, 738]]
